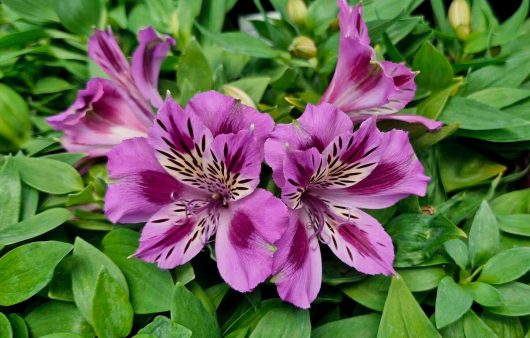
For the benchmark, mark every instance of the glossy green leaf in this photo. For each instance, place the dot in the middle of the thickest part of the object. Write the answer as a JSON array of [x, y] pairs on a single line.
[[474, 327], [5, 327], [10, 194], [194, 73], [56, 317], [15, 126], [515, 299], [188, 311], [18, 325], [149, 285], [283, 321], [518, 224], [86, 264], [484, 235], [34, 226], [163, 327], [111, 312], [452, 302], [365, 326], [402, 315], [506, 266], [27, 269], [79, 16], [485, 294], [435, 71], [48, 175], [458, 251]]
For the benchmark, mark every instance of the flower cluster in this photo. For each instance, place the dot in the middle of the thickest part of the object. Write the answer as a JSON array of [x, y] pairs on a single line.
[[192, 173]]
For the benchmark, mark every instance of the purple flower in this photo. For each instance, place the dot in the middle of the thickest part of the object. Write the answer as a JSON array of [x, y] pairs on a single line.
[[327, 174], [362, 86], [194, 176], [110, 111]]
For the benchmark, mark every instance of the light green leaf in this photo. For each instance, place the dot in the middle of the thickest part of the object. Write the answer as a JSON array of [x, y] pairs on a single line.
[[253, 86], [283, 321], [34, 226], [474, 327], [515, 299], [242, 43], [505, 327], [50, 85], [422, 279], [79, 16], [518, 224], [435, 71], [452, 301], [15, 126], [55, 317], [402, 315], [5, 327], [10, 194], [458, 251], [27, 269], [506, 266], [434, 104], [187, 11], [499, 97], [484, 235], [514, 202], [163, 327], [33, 10], [111, 312], [48, 175], [194, 73], [355, 327], [485, 294]]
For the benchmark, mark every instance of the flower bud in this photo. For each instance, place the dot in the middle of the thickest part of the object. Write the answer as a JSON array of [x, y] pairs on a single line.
[[460, 18], [297, 10], [303, 47], [238, 94]]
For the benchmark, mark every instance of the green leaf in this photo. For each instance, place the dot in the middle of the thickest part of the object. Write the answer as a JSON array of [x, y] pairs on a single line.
[[27, 269], [48, 175], [514, 202], [162, 327], [485, 294], [187, 11], [515, 224], [452, 301], [435, 71], [506, 266], [215, 14], [474, 327], [216, 293], [422, 279], [55, 317], [458, 251], [149, 285], [19, 327], [242, 43], [475, 116], [10, 194], [50, 85], [484, 235], [30, 202], [320, 15], [506, 327], [371, 292], [86, 264], [15, 126], [435, 103], [187, 310], [461, 167], [253, 86], [194, 73], [355, 327], [34, 226], [515, 299], [79, 16], [33, 10], [283, 321], [402, 315], [5, 327], [500, 97], [417, 237], [111, 312]]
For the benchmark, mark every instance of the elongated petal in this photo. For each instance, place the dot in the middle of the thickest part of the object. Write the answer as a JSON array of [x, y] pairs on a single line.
[[360, 241], [351, 22], [358, 83], [244, 244], [105, 51], [426, 122], [101, 117], [174, 235], [146, 62], [142, 186], [224, 115], [297, 263]]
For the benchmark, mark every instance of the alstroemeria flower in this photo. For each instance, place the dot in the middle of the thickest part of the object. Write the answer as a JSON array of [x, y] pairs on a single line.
[[196, 176], [110, 111], [327, 174], [364, 87]]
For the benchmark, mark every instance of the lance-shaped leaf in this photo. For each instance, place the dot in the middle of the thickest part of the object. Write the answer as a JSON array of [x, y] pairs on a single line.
[[452, 301], [163, 327], [365, 326], [506, 266], [283, 320], [54, 317], [483, 236], [515, 300], [474, 327]]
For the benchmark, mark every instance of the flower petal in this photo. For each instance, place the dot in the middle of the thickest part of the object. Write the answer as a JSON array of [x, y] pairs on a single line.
[[101, 117], [298, 263], [301, 168], [105, 51], [426, 122], [146, 62], [224, 115], [173, 236], [244, 243], [142, 186], [351, 22]]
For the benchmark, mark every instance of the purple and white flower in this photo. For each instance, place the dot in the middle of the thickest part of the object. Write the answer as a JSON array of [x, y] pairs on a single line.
[[107, 112], [328, 174], [196, 176], [361, 85]]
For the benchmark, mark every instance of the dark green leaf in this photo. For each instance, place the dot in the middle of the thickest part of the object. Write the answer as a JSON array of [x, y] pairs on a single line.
[[217, 293], [48, 175], [506, 266], [484, 235], [79, 16], [20, 329], [356, 327], [283, 321], [371, 292], [422, 279], [55, 317], [506, 327], [435, 71], [452, 301], [163, 327], [5, 327]]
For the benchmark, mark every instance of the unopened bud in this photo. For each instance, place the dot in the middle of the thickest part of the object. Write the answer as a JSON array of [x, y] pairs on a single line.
[[297, 10], [460, 18], [303, 47], [238, 94]]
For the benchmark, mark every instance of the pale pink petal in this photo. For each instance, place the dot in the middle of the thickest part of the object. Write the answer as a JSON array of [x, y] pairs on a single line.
[[426, 122]]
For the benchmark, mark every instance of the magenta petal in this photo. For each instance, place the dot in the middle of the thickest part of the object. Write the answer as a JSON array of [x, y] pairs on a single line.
[[244, 243], [404, 84], [101, 117], [223, 115], [428, 123], [351, 22], [146, 62], [358, 83], [297, 263], [142, 186], [361, 242], [105, 51], [300, 168]]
